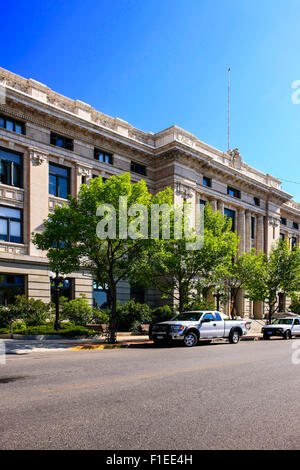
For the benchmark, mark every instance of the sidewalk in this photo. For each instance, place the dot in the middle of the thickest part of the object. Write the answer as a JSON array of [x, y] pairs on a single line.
[[20, 347]]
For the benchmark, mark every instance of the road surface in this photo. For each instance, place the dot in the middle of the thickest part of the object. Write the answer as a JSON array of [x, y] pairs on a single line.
[[218, 396]]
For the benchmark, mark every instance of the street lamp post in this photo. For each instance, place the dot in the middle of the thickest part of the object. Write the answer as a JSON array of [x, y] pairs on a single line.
[[57, 279]]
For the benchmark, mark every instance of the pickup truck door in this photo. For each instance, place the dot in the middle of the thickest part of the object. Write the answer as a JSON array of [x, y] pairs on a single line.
[[208, 329], [220, 326], [296, 327]]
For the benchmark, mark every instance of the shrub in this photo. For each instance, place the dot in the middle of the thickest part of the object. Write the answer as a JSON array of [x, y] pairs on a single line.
[[66, 329], [130, 312], [295, 304], [6, 315], [163, 313], [77, 311], [99, 316], [33, 312]]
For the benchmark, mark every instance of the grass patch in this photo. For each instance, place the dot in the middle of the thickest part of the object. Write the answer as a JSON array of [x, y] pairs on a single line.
[[66, 330]]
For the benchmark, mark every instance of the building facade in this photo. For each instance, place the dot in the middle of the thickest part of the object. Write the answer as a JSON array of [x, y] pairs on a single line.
[[50, 145]]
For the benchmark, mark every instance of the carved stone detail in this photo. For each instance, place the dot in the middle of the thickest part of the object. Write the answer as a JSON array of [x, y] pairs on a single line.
[[183, 190], [37, 156], [274, 221]]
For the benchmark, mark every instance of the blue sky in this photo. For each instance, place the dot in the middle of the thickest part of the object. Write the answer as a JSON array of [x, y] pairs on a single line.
[[158, 63]]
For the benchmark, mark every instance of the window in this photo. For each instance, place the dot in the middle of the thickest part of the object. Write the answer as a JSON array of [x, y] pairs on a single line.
[[137, 168], [12, 125], [11, 168], [66, 289], [252, 227], [61, 141], [103, 156], [296, 225], [206, 181], [99, 296], [293, 242], [208, 316], [218, 316], [256, 201], [282, 236], [202, 202], [231, 215], [283, 221], [59, 180], [10, 286], [103, 179], [233, 192], [11, 224], [137, 294]]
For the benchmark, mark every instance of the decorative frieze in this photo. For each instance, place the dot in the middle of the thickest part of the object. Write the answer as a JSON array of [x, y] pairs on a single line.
[[10, 193]]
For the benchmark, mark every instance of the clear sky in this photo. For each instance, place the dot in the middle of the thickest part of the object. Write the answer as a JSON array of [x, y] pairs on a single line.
[[155, 63]]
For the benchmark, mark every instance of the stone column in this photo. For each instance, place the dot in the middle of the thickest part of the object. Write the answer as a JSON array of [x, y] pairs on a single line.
[[221, 207], [241, 230], [37, 186], [213, 203], [260, 233], [82, 173], [248, 232]]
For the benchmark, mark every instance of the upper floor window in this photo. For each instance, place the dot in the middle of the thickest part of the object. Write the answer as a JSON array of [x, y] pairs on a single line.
[[61, 141], [12, 125], [293, 242], [59, 180], [233, 192], [252, 227], [11, 224], [283, 221], [282, 237], [11, 168], [231, 215], [296, 225], [206, 181], [103, 156], [256, 201], [202, 202], [103, 179], [138, 168]]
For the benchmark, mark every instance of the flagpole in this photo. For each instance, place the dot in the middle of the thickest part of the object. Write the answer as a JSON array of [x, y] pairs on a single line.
[[229, 109]]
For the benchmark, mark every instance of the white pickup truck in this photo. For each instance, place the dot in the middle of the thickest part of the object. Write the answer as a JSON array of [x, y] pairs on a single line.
[[191, 327], [286, 327]]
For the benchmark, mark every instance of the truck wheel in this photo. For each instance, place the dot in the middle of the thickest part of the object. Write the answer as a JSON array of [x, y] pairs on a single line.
[[287, 335], [234, 337], [190, 340]]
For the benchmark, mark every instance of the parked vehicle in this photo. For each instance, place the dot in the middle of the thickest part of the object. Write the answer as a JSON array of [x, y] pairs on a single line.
[[286, 327], [191, 327]]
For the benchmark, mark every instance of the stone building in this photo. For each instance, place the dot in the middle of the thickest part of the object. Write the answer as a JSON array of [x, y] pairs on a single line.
[[50, 145]]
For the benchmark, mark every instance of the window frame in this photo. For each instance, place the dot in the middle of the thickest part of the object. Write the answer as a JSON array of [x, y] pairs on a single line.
[[21, 165], [15, 122], [236, 192], [233, 224], [60, 176], [135, 167], [98, 152], [256, 201], [65, 140], [13, 219], [207, 182]]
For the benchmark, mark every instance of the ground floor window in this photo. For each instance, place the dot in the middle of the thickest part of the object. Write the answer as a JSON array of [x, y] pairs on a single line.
[[10, 286], [99, 296], [137, 294], [66, 289]]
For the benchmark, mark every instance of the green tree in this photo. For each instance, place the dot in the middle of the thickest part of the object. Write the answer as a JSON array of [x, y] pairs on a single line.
[[77, 311], [71, 234], [277, 273], [176, 270], [240, 274]]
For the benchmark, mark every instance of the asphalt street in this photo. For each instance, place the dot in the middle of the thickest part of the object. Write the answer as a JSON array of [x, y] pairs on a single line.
[[217, 396]]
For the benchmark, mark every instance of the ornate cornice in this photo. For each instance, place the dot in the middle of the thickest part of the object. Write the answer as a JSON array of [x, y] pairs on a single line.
[[37, 156]]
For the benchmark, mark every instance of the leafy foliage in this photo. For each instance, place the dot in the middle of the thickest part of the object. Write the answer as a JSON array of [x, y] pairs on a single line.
[[77, 311], [33, 311]]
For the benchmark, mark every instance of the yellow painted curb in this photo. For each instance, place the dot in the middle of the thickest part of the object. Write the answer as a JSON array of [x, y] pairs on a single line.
[[89, 347]]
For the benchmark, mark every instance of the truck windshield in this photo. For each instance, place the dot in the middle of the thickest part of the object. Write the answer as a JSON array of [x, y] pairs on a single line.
[[283, 321], [188, 316]]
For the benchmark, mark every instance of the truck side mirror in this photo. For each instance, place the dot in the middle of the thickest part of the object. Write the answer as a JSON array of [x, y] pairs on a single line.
[[206, 320]]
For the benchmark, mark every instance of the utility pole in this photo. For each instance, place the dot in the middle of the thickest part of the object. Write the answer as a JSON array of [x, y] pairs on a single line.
[[229, 109]]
